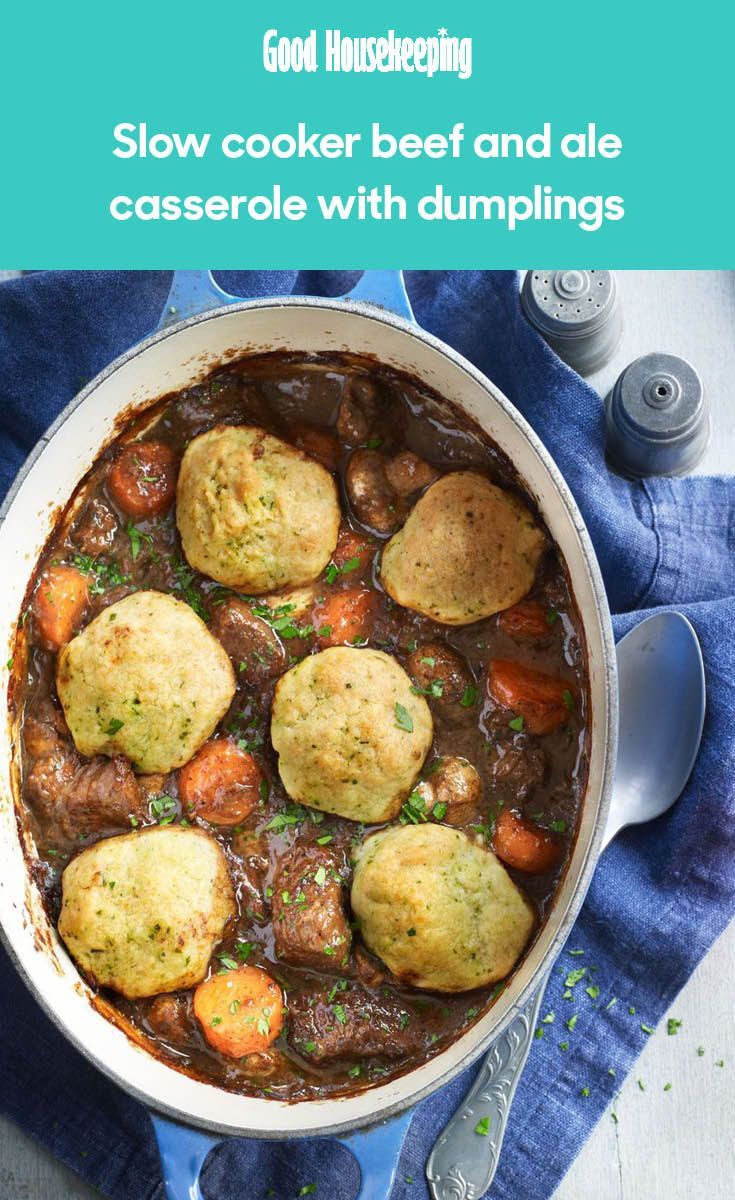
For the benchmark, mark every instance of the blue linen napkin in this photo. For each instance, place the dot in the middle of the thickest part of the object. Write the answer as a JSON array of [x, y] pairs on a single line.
[[661, 894]]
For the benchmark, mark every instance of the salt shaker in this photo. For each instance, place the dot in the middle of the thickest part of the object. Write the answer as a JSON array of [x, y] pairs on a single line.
[[577, 312]]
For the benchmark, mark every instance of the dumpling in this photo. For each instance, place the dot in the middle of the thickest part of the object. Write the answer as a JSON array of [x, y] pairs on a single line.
[[350, 733], [142, 913], [438, 908], [468, 549], [253, 512], [145, 679]]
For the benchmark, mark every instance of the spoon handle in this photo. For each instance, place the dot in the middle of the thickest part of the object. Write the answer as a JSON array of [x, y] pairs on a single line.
[[462, 1164]]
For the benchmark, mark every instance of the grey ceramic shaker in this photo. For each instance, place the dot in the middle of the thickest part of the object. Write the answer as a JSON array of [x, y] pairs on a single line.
[[577, 312]]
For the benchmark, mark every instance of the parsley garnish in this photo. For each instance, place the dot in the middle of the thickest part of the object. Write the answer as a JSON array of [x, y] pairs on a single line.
[[163, 809], [404, 720], [104, 575], [469, 696], [137, 538], [435, 689], [414, 810], [483, 1126], [113, 726], [516, 724], [673, 1026], [185, 584]]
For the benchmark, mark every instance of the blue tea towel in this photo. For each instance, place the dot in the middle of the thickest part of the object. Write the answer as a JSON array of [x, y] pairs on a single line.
[[661, 894]]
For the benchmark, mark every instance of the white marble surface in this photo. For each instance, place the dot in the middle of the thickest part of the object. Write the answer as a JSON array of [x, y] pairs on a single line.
[[674, 1144]]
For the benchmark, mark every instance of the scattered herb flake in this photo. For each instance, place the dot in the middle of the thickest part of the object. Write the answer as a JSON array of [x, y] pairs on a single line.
[[483, 1127], [404, 720], [469, 696]]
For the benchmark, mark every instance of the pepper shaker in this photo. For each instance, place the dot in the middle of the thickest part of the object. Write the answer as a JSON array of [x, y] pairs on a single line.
[[657, 417], [577, 312]]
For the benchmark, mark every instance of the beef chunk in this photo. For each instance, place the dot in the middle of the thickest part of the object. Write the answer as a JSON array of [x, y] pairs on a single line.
[[254, 648], [351, 1023], [309, 921], [517, 767], [249, 873], [357, 410], [76, 798], [95, 532], [370, 971], [103, 793]]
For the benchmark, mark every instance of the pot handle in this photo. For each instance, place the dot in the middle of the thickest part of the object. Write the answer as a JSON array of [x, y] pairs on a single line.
[[183, 1151], [194, 292]]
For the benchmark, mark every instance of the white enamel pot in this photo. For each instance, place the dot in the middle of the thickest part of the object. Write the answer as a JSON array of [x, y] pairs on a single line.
[[215, 328]]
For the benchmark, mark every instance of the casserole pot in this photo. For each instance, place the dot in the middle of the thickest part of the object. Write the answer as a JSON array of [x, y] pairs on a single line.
[[202, 327]]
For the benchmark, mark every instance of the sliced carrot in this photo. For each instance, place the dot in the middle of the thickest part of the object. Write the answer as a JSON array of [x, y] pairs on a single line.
[[544, 701], [142, 480], [355, 551], [221, 783], [344, 616], [60, 600], [318, 444], [525, 621], [240, 1011], [522, 845]]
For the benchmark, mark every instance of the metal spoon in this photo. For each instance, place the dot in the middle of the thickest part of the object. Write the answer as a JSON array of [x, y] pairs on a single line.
[[658, 660]]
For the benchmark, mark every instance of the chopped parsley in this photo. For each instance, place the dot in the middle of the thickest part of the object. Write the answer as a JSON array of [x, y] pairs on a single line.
[[333, 572], [469, 696], [414, 810], [439, 811], [138, 538], [184, 583], [516, 724], [483, 1127], [340, 1014], [281, 620], [571, 1023], [404, 720], [163, 809], [558, 826], [113, 726], [435, 689], [320, 876], [574, 977], [568, 699], [243, 950], [103, 574], [673, 1026]]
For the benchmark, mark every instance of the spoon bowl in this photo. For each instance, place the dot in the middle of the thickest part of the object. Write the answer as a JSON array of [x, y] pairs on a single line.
[[662, 704]]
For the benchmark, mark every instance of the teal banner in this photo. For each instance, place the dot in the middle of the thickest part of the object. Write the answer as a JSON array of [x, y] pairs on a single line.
[[415, 135]]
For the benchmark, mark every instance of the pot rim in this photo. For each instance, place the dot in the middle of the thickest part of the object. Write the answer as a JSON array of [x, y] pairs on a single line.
[[481, 1045]]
